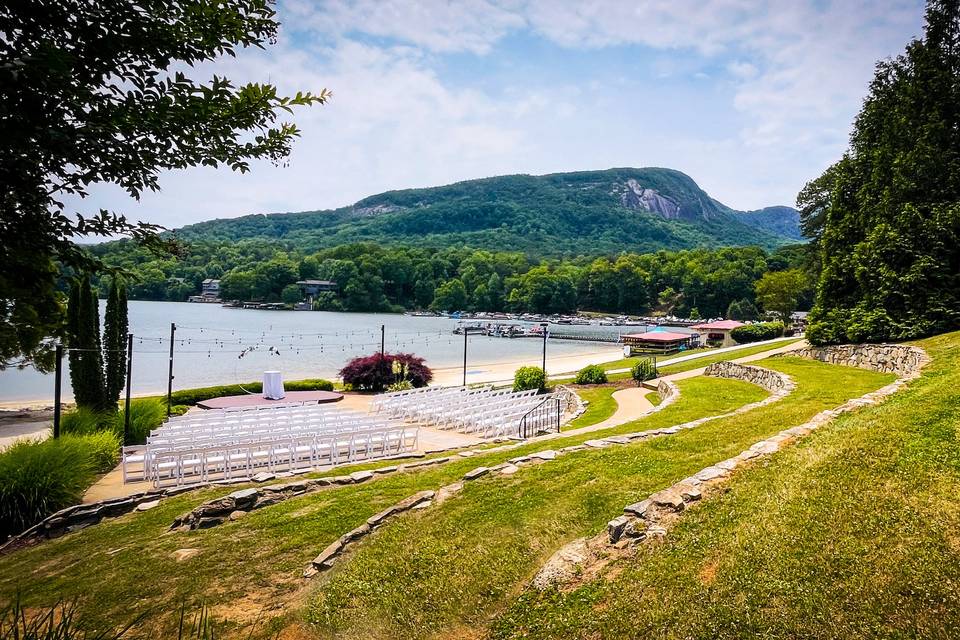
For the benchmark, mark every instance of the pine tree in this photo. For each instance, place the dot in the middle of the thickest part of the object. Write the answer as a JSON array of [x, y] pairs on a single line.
[[887, 215], [115, 340]]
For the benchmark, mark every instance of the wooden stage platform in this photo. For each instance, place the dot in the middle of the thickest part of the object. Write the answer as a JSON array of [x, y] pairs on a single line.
[[257, 400]]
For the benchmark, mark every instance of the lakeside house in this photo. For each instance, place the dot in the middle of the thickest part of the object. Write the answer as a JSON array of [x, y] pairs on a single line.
[[209, 291], [311, 288], [717, 333], [657, 341]]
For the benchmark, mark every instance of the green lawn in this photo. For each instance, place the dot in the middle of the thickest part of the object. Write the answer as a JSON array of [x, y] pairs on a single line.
[[851, 533], [447, 570], [602, 405], [697, 363], [444, 570]]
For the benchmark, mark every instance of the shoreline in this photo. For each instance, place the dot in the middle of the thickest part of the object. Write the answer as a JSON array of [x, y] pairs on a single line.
[[490, 371]]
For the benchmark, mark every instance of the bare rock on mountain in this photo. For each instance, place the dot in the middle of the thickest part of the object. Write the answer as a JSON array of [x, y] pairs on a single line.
[[635, 196]]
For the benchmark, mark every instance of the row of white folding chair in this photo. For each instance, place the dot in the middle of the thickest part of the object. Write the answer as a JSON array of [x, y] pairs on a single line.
[[457, 415], [226, 428], [264, 441], [264, 423], [478, 418], [246, 417], [282, 418], [263, 432], [438, 414], [292, 453], [379, 401], [406, 407], [481, 419], [435, 404], [237, 411]]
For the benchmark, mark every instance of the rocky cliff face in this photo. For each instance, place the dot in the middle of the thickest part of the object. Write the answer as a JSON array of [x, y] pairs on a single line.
[[635, 196]]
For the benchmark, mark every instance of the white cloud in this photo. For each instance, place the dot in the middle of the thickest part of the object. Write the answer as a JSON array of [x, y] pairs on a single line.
[[772, 89]]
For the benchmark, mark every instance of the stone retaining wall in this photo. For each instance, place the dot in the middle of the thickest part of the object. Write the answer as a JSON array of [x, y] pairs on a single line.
[[772, 381], [904, 361]]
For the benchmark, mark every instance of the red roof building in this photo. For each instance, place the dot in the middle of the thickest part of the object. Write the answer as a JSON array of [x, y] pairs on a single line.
[[717, 333], [657, 341]]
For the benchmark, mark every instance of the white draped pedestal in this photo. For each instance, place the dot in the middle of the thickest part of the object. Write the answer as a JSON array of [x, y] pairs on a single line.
[[273, 385]]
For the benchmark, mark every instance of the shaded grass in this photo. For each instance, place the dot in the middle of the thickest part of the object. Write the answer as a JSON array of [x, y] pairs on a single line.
[[851, 533], [453, 566], [125, 566]]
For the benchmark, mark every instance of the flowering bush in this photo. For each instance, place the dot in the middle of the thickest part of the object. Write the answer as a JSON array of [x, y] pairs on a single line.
[[377, 372]]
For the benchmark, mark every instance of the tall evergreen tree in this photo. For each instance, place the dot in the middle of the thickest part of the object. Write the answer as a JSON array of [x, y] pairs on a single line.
[[889, 223], [86, 359], [115, 340]]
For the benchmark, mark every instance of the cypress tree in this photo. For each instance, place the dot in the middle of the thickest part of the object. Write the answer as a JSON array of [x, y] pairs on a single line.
[[86, 359], [115, 340]]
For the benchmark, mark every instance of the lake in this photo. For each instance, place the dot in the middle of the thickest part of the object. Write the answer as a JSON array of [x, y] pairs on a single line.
[[217, 345]]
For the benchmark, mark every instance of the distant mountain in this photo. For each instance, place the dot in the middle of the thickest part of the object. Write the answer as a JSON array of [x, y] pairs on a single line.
[[586, 212], [780, 221]]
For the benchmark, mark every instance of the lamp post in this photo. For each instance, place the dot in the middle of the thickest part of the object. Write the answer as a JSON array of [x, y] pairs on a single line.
[[465, 356], [543, 327]]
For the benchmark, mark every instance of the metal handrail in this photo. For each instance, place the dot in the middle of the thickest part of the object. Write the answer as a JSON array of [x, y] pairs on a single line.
[[544, 418]]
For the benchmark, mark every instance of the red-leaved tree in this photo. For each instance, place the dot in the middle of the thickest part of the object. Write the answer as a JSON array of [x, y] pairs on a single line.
[[377, 372]]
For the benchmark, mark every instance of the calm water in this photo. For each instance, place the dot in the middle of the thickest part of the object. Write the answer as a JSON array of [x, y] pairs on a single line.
[[215, 345]]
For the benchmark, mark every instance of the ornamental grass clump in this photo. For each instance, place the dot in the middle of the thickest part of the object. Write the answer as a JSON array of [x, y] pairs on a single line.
[[40, 478]]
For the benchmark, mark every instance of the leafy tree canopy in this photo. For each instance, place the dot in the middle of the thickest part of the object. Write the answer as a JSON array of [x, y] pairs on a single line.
[[93, 92], [887, 215]]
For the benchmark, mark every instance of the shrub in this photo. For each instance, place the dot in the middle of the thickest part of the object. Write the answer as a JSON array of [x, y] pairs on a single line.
[[527, 378], [591, 374], [146, 414], [644, 370], [376, 372], [84, 420], [40, 478], [757, 332]]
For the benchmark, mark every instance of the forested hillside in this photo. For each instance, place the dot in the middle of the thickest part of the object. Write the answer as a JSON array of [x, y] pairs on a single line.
[[564, 214]]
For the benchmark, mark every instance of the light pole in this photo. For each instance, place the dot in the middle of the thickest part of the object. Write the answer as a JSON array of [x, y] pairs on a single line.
[[465, 356], [543, 326]]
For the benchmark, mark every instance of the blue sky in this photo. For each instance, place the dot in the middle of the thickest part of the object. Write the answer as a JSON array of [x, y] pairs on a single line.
[[751, 99]]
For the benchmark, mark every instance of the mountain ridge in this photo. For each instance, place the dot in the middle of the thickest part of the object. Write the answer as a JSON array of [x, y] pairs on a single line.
[[582, 212]]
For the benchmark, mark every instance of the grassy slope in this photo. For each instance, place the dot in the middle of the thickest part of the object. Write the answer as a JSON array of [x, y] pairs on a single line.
[[124, 567], [704, 361], [851, 533], [448, 569]]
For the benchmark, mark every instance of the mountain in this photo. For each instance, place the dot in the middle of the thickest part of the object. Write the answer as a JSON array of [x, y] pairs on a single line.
[[780, 221], [585, 212]]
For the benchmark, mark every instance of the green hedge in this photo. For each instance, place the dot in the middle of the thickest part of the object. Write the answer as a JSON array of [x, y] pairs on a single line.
[[527, 378], [591, 374], [40, 478], [193, 396], [757, 332]]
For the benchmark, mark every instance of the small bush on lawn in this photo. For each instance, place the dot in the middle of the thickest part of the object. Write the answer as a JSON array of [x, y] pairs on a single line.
[[757, 332], [591, 374], [527, 378], [40, 478], [643, 371], [377, 372]]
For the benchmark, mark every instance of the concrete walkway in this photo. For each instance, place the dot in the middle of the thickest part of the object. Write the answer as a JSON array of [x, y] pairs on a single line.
[[632, 403]]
